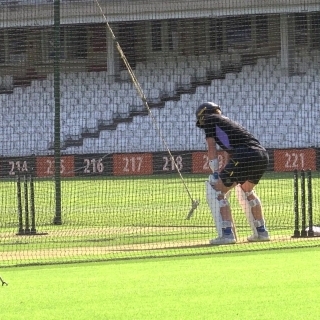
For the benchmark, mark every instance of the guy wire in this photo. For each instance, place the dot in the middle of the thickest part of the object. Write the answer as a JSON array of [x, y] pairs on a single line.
[[144, 100]]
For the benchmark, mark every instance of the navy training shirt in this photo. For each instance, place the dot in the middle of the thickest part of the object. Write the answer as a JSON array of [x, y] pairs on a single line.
[[229, 134]]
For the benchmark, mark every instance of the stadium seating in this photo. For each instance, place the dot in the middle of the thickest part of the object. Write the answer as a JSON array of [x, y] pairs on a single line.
[[259, 97]]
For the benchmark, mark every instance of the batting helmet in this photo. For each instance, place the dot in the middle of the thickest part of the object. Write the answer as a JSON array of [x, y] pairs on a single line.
[[205, 109]]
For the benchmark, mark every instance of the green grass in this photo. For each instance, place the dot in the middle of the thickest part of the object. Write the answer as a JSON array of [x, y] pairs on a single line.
[[112, 212], [278, 284], [135, 201]]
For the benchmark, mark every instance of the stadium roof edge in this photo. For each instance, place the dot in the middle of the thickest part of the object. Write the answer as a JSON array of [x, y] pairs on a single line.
[[22, 13]]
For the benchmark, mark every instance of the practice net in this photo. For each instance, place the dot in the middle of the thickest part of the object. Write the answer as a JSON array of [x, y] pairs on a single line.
[[100, 157]]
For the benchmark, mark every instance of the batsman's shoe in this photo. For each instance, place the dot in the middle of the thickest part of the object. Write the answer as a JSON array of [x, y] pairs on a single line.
[[225, 239], [262, 236]]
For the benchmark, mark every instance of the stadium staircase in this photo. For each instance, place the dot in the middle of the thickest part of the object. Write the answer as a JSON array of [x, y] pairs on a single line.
[[76, 141]]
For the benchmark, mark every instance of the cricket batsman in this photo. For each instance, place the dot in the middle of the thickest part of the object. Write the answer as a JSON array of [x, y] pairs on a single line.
[[246, 164]]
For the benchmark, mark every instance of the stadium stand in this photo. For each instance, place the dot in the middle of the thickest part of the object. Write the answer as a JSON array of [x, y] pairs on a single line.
[[94, 108]]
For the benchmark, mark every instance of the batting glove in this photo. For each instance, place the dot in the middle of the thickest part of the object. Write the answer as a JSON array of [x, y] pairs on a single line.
[[213, 178]]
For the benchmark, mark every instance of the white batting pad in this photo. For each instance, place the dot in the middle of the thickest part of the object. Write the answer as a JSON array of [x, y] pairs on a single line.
[[214, 206], [245, 205]]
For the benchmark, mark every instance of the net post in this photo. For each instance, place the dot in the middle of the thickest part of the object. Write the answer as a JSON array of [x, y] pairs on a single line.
[[26, 205], [57, 142], [19, 203], [32, 206], [303, 204], [296, 233], [310, 205]]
